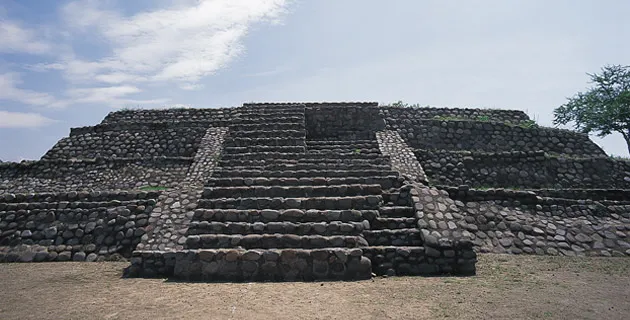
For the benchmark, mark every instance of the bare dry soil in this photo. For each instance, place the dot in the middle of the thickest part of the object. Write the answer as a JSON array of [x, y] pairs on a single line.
[[506, 287]]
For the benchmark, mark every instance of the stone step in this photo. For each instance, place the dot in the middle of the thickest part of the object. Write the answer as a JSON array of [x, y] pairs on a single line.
[[293, 112], [393, 237], [225, 173], [403, 260], [270, 134], [311, 166], [359, 149], [348, 135], [294, 215], [269, 118], [313, 156], [260, 162], [336, 154], [258, 264], [341, 142], [272, 108], [272, 241], [248, 149], [396, 212], [393, 223], [334, 145], [386, 182], [275, 141], [292, 191], [394, 198], [302, 229], [327, 203], [241, 127]]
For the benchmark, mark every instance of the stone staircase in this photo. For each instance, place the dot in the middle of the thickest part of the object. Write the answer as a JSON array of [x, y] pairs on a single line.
[[287, 208], [285, 202]]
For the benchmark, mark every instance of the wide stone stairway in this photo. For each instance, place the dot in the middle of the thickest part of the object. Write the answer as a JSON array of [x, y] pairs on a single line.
[[280, 206]]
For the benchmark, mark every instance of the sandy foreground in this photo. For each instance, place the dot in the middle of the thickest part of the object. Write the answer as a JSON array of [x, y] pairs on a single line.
[[506, 287]]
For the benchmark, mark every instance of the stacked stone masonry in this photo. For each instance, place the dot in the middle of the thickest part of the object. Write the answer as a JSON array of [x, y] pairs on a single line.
[[473, 135], [78, 226], [92, 174], [520, 169], [313, 191]]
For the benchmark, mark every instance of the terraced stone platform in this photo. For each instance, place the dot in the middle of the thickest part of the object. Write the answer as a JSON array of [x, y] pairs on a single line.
[[312, 191]]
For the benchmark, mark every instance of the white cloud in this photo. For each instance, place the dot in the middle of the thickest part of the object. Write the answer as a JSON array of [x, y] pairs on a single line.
[[10, 91], [178, 44], [16, 39], [114, 96], [43, 67], [22, 120], [101, 94], [191, 86], [270, 73], [111, 96], [180, 105]]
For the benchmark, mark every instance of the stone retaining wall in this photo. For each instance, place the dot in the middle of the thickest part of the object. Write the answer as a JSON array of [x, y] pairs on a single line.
[[522, 170], [395, 115], [170, 142], [492, 137], [509, 221], [92, 174], [164, 124], [423, 261], [355, 122], [253, 265], [170, 115], [74, 226]]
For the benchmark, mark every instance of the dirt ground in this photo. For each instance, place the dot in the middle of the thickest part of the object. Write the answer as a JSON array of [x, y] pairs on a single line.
[[506, 287]]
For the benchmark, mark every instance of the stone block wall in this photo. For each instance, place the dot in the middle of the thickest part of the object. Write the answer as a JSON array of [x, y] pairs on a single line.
[[521, 169], [252, 265], [170, 142], [585, 194], [424, 261], [406, 115], [356, 121], [78, 226], [161, 125], [92, 174], [492, 137], [511, 221], [218, 115]]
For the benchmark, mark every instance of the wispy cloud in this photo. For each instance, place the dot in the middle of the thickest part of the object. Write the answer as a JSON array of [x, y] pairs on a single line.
[[176, 45], [179, 44], [18, 39], [9, 91], [115, 96], [22, 120], [270, 73]]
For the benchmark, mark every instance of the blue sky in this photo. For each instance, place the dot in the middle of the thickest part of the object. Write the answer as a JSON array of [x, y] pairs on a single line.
[[66, 64]]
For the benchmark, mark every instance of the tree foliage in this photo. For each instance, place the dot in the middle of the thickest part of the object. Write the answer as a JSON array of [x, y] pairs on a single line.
[[604, 108]]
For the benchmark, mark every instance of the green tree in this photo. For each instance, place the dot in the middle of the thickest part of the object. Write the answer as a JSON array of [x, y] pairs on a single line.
[[604, 108]]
